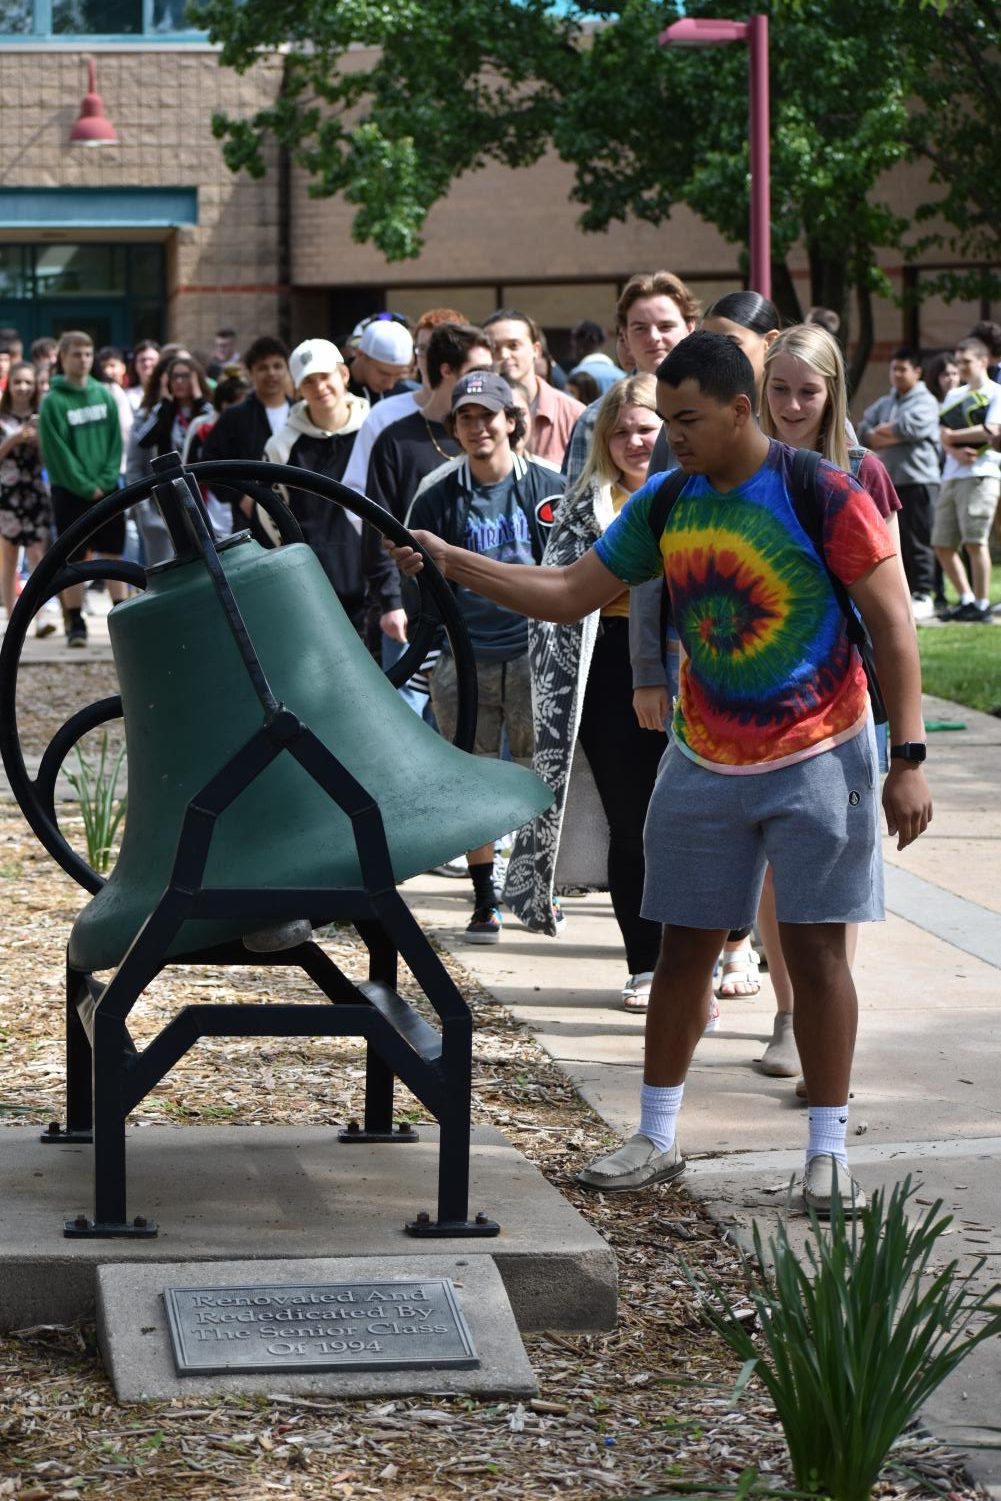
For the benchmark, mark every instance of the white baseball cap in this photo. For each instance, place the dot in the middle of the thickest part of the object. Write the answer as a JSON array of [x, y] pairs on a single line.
[[388, 342], [313, 357]]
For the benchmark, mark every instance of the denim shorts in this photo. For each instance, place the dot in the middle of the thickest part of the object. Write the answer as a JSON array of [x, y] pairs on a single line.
[[709, 835], [505, 705]]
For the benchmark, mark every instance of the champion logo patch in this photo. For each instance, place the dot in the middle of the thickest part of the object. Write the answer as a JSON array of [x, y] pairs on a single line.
[[544, 513]]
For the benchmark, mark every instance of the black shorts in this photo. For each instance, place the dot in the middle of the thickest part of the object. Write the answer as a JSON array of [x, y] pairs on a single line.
[[67, 508]]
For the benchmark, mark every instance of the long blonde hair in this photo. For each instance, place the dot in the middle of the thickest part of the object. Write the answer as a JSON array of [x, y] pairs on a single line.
[[816, 348], [634, 391]]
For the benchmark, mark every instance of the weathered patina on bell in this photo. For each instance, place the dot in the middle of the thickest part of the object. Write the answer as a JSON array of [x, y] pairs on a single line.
[[189, 706]]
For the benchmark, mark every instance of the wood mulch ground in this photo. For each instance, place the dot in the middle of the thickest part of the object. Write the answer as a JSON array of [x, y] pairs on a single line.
[[642, 1411]]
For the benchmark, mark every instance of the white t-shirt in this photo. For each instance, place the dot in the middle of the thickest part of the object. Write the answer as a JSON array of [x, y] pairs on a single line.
[[988, 463], [277, 417]]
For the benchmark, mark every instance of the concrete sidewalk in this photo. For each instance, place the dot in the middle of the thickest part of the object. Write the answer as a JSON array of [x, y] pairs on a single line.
[[925, 1097]]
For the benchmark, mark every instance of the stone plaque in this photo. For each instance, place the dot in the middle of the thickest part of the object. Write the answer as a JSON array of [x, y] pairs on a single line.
[[372, 1326]]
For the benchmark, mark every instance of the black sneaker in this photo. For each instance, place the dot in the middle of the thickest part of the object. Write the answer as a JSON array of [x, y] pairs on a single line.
[[485, 925], [76, 629], [973, 614]]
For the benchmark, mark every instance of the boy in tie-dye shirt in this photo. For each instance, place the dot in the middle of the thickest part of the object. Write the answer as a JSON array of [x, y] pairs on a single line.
[[772, 759], [769, 676]]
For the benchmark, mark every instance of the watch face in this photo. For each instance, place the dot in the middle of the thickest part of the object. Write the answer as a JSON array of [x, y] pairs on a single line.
[[911, 751]]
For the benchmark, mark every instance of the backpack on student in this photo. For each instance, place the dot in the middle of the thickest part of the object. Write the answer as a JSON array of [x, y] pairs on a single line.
[[803, 493]]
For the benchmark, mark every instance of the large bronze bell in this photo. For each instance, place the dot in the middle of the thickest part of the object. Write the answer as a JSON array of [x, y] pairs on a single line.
[[189, 707]]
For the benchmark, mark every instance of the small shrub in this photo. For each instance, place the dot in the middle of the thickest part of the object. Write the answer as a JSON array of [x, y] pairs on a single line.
[[855, 1338], [102, 811]]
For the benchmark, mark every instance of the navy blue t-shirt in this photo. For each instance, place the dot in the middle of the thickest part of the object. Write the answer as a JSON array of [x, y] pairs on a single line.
[[496, 527]]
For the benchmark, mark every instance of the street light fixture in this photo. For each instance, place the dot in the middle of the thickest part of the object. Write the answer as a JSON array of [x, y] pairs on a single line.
[[92, 127], [693, 31]]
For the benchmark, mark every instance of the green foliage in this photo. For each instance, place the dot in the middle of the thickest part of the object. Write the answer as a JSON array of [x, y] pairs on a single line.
[[391, 127], [388, 104], [855, 1338], [102, 811], [953, 129]]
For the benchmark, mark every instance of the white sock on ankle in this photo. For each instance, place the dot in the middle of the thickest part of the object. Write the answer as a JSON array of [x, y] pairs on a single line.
[[828, 1125], [659, 1106]]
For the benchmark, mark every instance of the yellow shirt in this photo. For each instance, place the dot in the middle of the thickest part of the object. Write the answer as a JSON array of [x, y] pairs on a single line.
[[620, 606]]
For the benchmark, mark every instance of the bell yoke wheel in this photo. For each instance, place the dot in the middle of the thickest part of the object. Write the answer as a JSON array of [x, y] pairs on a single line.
[[56, 572]]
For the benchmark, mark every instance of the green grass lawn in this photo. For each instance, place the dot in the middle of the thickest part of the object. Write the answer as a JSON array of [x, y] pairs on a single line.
[[963, 662]]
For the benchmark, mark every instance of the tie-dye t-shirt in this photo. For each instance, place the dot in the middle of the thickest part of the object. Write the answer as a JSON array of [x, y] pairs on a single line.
[[769, 675]]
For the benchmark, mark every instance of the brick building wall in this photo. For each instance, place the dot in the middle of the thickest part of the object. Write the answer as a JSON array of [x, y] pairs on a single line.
[[225, 268]]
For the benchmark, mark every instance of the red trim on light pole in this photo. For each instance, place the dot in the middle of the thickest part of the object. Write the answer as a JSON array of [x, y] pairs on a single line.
[[760, 133]]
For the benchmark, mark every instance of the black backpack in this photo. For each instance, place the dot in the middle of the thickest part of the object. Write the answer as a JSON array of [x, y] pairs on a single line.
[[805, 464]]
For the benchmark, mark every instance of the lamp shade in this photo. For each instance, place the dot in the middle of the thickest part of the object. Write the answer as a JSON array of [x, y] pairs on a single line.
[[93, 128], [703, 31]]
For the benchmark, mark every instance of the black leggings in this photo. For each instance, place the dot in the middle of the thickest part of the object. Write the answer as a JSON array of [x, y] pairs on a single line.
[[624, 759]]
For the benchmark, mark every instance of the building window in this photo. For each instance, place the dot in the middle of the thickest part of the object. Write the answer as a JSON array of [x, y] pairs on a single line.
[[114, 291], [95, 18]]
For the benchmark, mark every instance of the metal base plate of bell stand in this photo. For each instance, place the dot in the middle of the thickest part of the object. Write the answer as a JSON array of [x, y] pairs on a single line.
[[356, 1135], [82, 1228]]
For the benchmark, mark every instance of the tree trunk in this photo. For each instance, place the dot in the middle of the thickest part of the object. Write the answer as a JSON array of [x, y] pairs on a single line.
[[863, 345], [784, 293], [829, 285]]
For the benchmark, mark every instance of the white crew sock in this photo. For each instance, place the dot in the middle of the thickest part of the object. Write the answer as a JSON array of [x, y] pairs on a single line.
[[983, 603], [966, 598], [828, 1124], [659, 1106]]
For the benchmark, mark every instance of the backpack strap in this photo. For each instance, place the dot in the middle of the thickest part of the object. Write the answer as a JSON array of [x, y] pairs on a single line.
[[806, 504], [664, 501]]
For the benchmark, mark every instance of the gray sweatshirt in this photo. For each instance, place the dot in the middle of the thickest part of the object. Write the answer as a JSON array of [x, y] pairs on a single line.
[[914, 460]]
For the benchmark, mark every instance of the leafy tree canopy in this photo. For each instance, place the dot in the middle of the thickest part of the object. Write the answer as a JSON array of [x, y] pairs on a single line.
[[443, 91]]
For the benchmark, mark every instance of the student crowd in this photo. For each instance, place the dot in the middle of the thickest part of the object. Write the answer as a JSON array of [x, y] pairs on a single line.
[[655, 597]]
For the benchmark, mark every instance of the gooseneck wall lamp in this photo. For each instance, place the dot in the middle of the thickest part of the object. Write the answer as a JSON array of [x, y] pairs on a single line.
[[92, 127]]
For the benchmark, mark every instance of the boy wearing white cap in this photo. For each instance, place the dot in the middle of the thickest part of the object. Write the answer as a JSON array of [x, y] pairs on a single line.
[[383, 361], [318, 436]]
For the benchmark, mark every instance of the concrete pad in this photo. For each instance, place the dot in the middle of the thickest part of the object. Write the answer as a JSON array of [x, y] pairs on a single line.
[[288, 1193], [135, 1342]]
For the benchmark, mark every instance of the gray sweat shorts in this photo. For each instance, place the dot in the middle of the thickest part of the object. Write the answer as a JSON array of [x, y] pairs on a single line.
[[708, 837]]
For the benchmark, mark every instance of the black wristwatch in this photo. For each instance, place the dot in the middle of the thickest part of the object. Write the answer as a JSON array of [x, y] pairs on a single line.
[[910, 750]]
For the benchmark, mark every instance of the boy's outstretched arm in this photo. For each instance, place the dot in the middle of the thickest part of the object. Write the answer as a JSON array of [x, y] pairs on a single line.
[[886, 611], [560, 594]]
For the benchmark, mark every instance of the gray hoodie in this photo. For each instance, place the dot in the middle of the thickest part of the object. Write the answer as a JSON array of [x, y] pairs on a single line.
[[914, 460]]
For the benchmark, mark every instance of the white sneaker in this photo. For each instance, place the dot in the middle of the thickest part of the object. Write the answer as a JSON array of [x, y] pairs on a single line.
[[922, 607]]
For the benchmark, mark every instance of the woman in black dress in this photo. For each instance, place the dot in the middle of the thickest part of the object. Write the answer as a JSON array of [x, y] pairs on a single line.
[[25, 508]]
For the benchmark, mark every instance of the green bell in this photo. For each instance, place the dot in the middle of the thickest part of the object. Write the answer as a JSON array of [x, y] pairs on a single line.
[[189, 706]]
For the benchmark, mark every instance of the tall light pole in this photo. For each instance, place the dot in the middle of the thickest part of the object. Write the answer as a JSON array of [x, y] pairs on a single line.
[[691, 31]]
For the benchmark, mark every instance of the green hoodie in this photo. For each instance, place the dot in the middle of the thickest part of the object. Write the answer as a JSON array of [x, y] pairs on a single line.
[[81, 437]]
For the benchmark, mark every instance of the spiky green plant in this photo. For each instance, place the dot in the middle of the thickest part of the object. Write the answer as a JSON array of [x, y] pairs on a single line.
[[102, 810], [854, 1337]]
